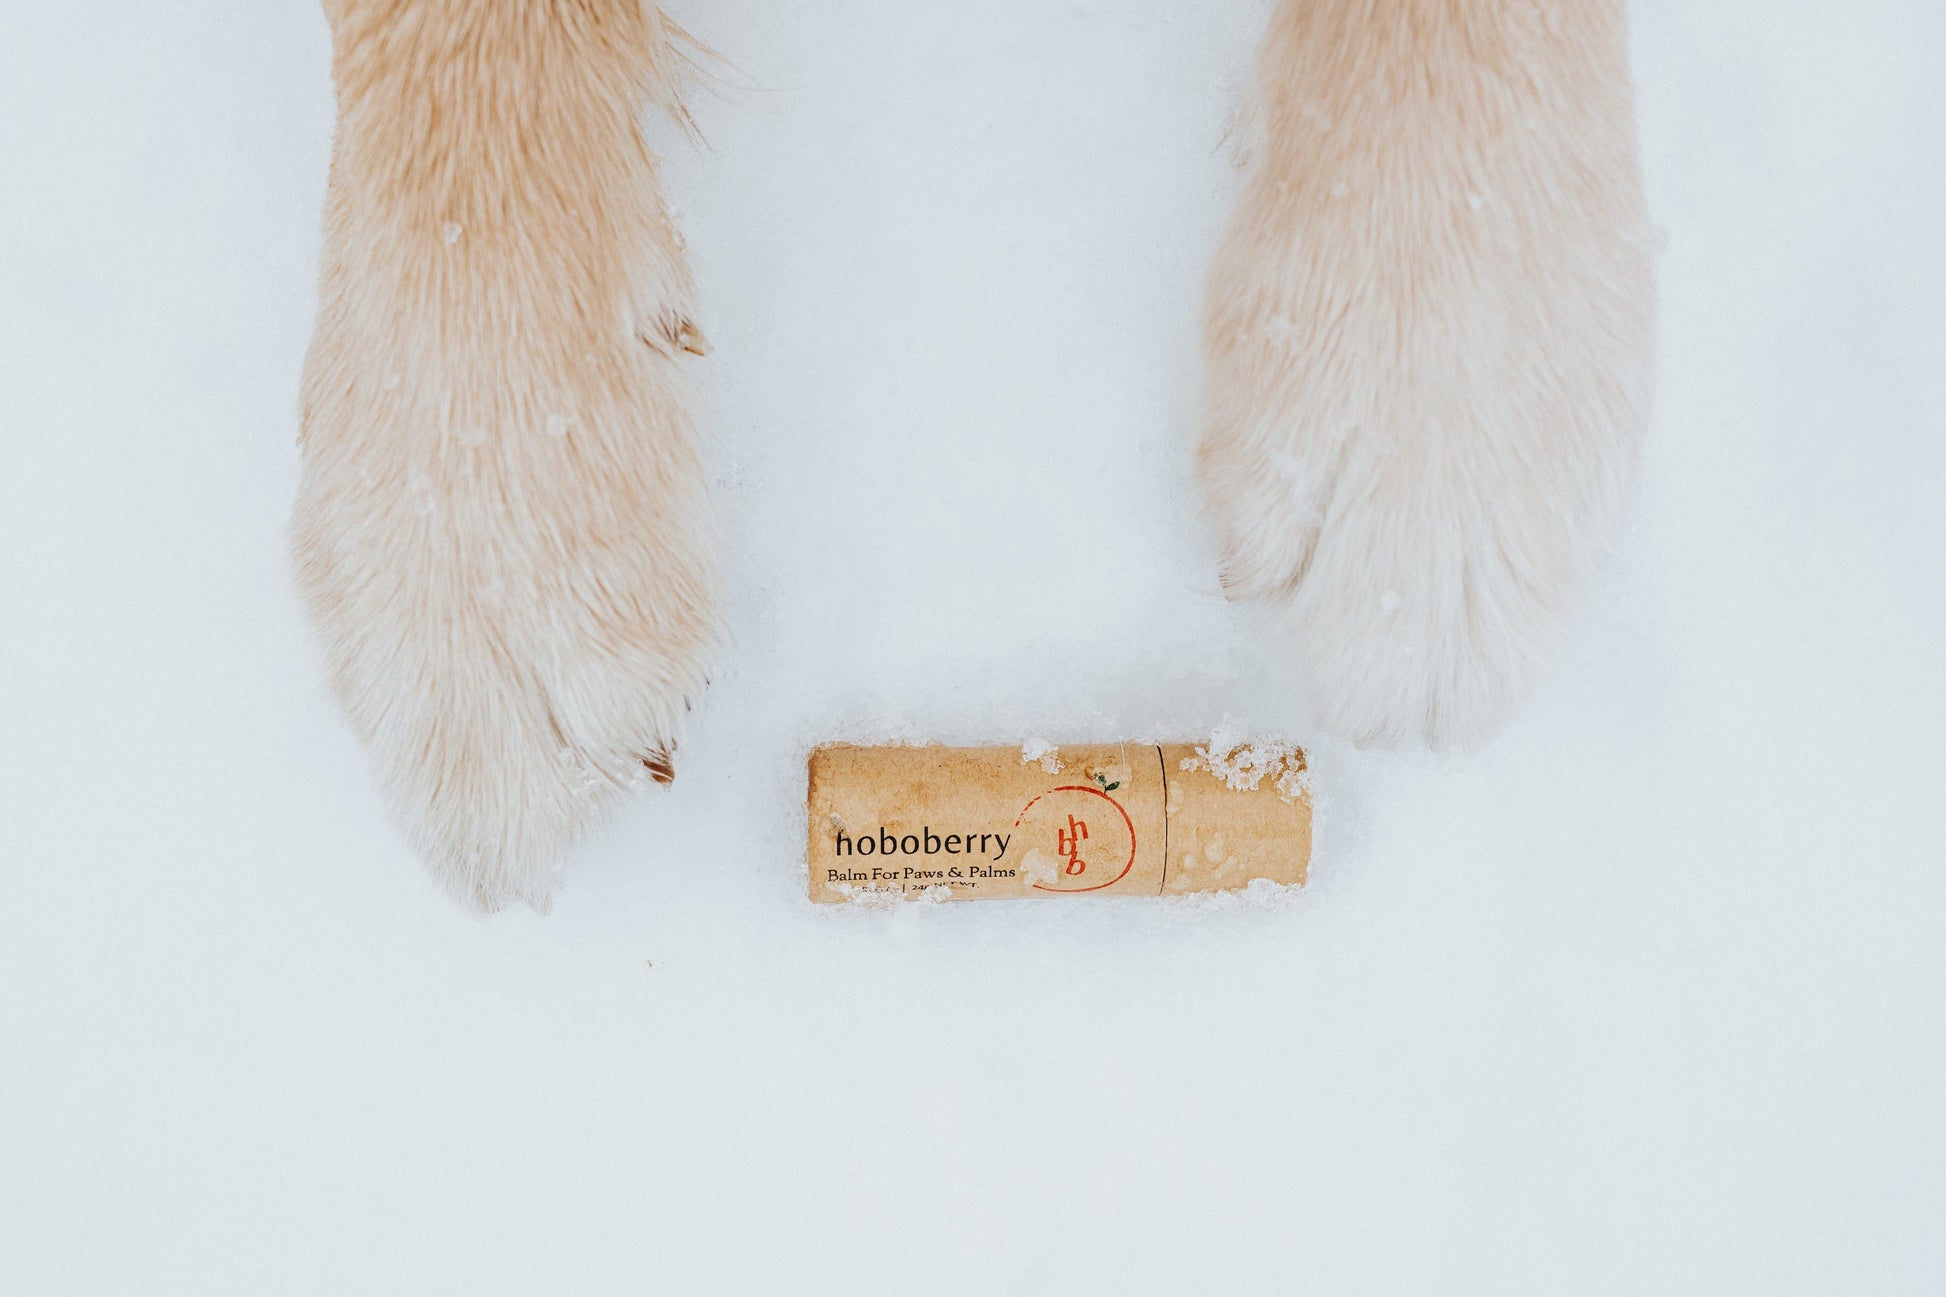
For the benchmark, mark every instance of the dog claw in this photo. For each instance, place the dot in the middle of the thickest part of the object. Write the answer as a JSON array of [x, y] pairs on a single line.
[[691, 339]]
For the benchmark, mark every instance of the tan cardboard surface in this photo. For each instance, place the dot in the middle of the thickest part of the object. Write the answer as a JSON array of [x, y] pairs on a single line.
[[1128, 819]]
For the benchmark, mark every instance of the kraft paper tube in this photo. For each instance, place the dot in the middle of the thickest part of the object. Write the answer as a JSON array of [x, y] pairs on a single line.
[[1124, 819]]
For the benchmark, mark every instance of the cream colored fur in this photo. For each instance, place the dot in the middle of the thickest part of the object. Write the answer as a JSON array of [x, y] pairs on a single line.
[[1428, 337], [1428, 340], [501, 528]]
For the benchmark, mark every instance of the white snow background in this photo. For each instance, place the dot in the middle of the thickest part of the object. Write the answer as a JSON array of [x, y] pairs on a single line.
[[1645, 997]]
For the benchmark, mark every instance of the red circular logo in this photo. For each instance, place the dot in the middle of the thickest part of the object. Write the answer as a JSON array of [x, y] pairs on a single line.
[[1073, 842]]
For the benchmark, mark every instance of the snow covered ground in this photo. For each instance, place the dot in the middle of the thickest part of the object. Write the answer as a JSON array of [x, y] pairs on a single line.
[[1648, 996]]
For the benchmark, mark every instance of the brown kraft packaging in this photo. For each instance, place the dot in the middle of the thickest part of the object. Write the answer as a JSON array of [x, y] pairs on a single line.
[[1124, 819]]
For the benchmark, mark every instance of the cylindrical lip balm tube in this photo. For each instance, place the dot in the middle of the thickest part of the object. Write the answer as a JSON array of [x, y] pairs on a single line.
[[1038, 822]]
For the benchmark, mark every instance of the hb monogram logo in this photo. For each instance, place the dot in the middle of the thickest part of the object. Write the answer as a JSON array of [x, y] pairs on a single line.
[[1069, 841], [1077, 839]]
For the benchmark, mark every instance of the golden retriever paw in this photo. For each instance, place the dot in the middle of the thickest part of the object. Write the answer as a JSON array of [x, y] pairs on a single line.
[[501, 530], [1428, 345]]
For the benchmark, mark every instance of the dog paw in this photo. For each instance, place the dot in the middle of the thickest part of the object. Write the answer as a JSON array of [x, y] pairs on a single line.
[[501, 528], [1427, 346], [515, 614]]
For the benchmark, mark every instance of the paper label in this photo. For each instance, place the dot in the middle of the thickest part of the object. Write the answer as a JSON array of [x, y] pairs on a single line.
[[991, 823]]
